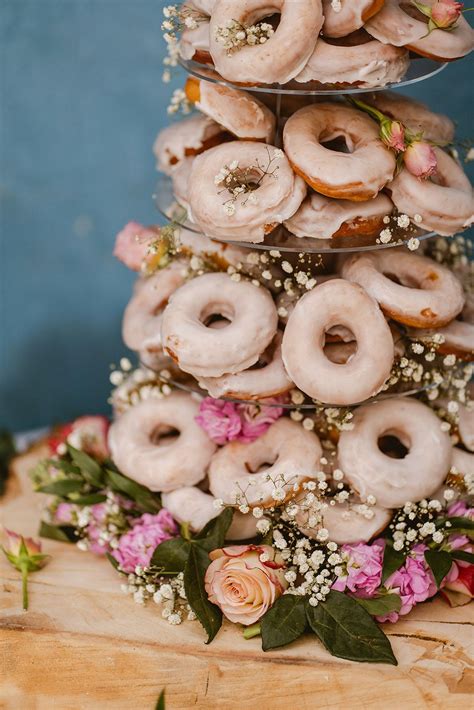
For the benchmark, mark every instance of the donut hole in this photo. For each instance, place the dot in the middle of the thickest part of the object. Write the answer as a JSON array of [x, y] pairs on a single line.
[[216, 322], [406, 280], [354, 39], [164, 435], [271, 15], [217, 315], [392, 446], [337, 144], [261, 464]]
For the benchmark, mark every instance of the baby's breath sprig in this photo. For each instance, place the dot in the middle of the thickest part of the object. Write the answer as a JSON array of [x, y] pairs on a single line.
[[234, 35], [176, 19], [237, 181]]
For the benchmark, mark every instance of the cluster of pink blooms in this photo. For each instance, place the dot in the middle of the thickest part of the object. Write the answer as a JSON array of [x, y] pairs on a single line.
[[230, 421], [136, 547]]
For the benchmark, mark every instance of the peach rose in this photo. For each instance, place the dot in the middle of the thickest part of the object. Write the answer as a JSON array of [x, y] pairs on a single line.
[[245, 581]]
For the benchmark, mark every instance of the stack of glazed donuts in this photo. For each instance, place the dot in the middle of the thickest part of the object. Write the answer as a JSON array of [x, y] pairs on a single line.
[[349, 43], [333, 179]]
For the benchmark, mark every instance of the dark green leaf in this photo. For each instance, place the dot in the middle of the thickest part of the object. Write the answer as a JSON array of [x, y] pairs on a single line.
[[284, 622], [457, 523], [208, 614], [348, 631], [160, 703], [7, 452], [63, 533], [63, 487], [90, 469], [64, 466], [392, 561], [91, 499], [463, 555], [212, 536], [112, 560], [144, 498], [170, 557], [381, 605], [440, 563]]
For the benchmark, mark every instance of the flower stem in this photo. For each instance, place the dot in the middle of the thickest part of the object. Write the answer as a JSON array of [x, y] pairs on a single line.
[[251, 631], [24, 585]]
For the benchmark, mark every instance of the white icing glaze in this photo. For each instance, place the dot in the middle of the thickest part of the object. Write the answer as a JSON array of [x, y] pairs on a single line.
[[428, 294], [161, 465], [205, 6], [462, 462], [180, 180], [180, 140], [394, 26], [458, 338], [444, 208], [356, 176], [321, 217], [194, 43], [393, 481], [345, 522], [367, 64], [209, 352], [276, 199], [350, 17], [292, 452], [337, 302], [283, 55]]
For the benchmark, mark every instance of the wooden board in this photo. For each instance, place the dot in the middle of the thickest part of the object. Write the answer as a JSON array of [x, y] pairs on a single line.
[[83, 645]]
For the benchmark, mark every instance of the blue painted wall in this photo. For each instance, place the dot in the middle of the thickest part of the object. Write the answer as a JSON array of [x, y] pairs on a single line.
[[81, 102]]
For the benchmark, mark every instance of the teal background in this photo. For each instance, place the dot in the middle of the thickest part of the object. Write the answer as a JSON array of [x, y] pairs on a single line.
[[81, 102]]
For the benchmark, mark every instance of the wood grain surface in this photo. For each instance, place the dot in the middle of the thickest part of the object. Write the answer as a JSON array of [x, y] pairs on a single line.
[[84, 645]]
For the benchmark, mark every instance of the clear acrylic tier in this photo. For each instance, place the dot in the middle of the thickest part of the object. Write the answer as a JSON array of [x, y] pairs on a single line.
[[281, 239], [420, 68]]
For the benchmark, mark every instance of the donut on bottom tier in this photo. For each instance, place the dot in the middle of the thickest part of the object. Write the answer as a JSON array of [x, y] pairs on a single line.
[[346, 523]]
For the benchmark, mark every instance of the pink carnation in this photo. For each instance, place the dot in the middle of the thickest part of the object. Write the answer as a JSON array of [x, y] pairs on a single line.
[[256, 419], [460, 509], [230, 421], [136, 547], [131, 244], [364, 569], [64, 513]]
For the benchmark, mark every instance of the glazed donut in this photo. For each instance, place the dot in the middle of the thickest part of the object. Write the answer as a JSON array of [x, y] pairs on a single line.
[[141, 327], [350, 16], [194, 44], [458, 339], [395, 481], [140, 449], [322, 217], [425, 295], [282, 56], [401, 24], [238, 111], [462, 462], [236, 469], [188, 137], [466, 425], [192, 505], [358, 175], [209, 352], [356, 60], [337, 302], [346, 523], [444, 203], [254, 213], [180, 181], [204, 6], [268, 380], [414, 115]]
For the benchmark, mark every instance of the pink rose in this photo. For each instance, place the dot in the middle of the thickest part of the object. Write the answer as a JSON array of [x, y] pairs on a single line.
[[256, 419], [132, 243], [229, 421], [11, 544], [89, 434], [244, 581], [445, 13], [420, 159], [138, 544], [363, 569], [393, 135]]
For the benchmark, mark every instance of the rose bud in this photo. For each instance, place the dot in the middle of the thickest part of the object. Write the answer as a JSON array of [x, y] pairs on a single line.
[[445, 13], [132, 244], [420, 159], [89, 434], [25, 555], [393, 135]]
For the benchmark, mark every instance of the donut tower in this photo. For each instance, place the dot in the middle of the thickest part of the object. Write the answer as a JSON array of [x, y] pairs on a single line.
[[305, 311]]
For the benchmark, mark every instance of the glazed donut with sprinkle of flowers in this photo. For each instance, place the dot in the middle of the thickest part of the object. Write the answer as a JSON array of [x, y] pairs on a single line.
[[250, 324], [340, 19], [457, 339], [322, 217], [400, 23], [238, 111], [443, 203], [246, 50], [193, 506], [356, 60], [356, 175], [194, 44], [267, 471], [186, 138], [267, 379], [158, 443], [425, 294], [337, 302], [243, 190]]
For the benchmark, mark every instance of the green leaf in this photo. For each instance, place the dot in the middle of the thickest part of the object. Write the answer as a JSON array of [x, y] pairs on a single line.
[[348, 631], [212, 536], [284, 622], [457, 523], [64, 466], [463, 555], [440, 563], [112, 560], [144, 498], [90, 469], [91, 499], [392, 561], [160, 703], [63, 533], [208, 614], [63, 487], [380, 605], [170, 557]]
